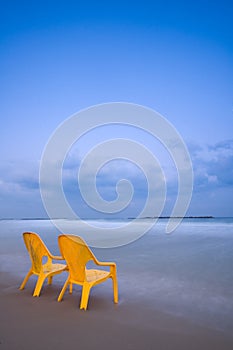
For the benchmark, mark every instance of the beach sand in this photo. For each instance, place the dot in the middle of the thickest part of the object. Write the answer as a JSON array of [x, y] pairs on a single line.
[[43, 323], [174, 293]]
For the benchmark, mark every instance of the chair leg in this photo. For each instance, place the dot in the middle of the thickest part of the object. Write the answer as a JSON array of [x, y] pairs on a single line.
[[63, 289], [26, 279], [50, 279], [85, 295], [71, 288], [115, 288], [39, 285]]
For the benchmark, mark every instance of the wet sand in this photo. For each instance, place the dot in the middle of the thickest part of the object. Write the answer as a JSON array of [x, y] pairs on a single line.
[[43, 323], [172, 295]]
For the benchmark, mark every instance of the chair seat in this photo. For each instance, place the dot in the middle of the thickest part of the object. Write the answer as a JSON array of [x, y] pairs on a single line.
[[53, 268], [96, 275]]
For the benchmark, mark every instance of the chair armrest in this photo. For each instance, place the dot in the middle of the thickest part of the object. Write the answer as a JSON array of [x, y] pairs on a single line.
[[56, 257], [99, 263]]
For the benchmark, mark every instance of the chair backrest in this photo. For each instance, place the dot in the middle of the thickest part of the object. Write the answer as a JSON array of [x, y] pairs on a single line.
[[76, 253], [36, 249]]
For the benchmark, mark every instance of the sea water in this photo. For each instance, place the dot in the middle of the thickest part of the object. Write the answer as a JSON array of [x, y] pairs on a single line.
[[187, 273]]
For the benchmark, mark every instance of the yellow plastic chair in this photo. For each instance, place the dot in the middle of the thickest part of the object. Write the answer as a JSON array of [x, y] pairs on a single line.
[[41, 259], [77, 254]]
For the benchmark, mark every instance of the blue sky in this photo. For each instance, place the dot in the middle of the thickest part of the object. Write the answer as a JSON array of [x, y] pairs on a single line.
[[58, 57]]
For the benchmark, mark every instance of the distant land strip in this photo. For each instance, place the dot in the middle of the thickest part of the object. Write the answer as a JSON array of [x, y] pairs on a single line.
[[180, 217], [129, 218]]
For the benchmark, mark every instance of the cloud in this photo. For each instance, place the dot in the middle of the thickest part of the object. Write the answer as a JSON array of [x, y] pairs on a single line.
[[19, 190], [105, 180], [213, 182], [213, 165], [18, 177]]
